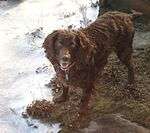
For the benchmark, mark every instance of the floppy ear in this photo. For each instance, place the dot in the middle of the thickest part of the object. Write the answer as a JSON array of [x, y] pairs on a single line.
[[49, 44], [86, 47]]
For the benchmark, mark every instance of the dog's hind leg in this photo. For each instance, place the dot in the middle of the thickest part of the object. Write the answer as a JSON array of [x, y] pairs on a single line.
[[125, 56], [124, 53]]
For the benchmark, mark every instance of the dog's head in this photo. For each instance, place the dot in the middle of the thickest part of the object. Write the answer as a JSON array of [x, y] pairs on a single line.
[[67, 47]]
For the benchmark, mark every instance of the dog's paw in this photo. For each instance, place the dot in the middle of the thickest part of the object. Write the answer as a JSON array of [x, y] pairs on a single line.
[[60, 99]]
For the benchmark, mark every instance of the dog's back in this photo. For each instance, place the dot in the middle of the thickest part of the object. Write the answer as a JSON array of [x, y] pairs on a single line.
[[113, 31], [111, 28]]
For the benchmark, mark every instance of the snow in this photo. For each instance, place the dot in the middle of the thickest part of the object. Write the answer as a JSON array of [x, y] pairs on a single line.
[[21, 56]]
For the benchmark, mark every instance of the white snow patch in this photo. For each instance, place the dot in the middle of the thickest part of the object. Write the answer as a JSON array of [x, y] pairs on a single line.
[[21, 56]]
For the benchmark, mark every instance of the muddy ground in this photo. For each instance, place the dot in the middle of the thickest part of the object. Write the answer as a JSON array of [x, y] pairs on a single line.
[[111, 95]]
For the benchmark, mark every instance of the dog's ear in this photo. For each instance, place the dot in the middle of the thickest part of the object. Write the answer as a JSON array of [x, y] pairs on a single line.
[[86, 47], [49, 44]]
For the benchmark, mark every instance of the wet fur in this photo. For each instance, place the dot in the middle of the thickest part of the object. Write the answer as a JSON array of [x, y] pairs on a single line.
[[113, 31]]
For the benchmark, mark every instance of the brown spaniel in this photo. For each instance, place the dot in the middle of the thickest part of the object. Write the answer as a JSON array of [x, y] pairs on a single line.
[[79, 55]]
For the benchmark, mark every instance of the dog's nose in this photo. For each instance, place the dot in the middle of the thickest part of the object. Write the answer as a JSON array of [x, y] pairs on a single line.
[[65, 61], [65, 58], [65, 55]]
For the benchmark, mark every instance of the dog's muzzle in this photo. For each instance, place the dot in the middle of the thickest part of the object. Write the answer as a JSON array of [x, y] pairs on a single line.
[[65, 66]]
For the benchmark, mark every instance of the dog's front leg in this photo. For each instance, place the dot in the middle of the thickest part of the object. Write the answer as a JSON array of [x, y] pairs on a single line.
[[87, 92], [64, 96]]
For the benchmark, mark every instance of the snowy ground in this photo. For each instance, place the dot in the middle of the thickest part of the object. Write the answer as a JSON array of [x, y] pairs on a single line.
[[21, 56]]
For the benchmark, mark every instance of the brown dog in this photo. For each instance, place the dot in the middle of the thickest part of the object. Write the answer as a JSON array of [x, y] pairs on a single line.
[[79, 55]]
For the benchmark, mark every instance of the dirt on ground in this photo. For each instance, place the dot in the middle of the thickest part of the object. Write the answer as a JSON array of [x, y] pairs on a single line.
[[112, 95]]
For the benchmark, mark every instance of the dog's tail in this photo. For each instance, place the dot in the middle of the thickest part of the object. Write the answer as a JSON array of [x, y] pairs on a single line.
[[136, 14]]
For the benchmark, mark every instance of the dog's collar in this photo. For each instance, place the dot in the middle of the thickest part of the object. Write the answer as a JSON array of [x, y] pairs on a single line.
[[66, 71], [69, 67]]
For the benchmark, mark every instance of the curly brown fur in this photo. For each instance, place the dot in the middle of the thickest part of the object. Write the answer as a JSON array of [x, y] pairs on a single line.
[[89, 49]]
